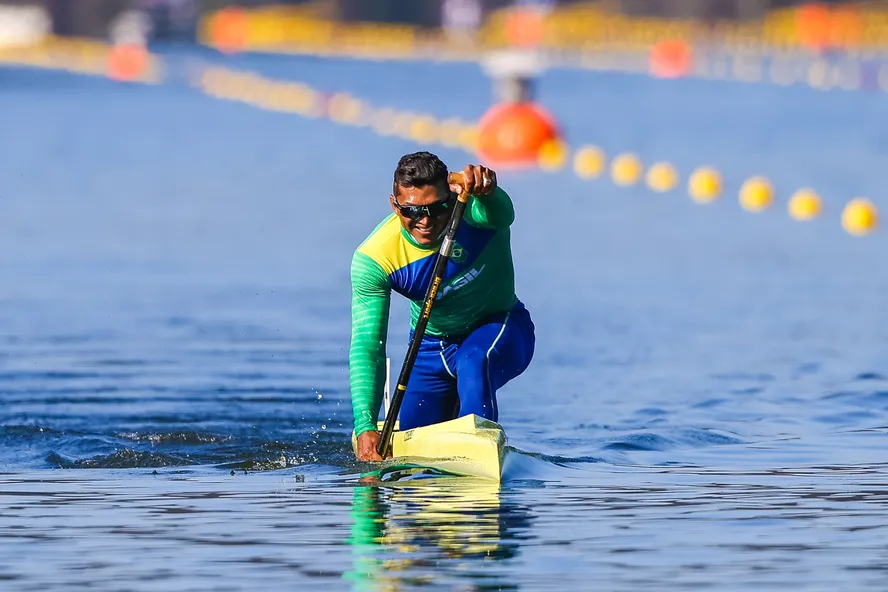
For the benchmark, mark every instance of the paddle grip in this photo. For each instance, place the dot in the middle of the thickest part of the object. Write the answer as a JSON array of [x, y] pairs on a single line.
[[458, 178]]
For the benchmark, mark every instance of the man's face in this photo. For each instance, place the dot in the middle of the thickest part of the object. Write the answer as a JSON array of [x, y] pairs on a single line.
[[424, 211]]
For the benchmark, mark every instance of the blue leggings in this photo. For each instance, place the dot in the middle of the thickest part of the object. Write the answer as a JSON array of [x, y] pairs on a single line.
[[456, 378]]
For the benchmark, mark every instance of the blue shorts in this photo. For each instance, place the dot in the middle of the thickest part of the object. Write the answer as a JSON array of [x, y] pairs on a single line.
[[454, 378]]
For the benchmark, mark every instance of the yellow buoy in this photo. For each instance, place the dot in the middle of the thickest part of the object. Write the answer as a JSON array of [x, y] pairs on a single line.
[[402, 123], [705, 185], [626, 169], [756, 194], [342, 108], [306, 101], [424, 129], [352, 112], [589, 162], [860, 217], [448, 132], [383, 121], [804, 205], [552, 155], [662, 177], [468, 138]]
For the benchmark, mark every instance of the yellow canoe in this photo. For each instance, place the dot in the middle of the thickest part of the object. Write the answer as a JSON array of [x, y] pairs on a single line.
[[469, 446]]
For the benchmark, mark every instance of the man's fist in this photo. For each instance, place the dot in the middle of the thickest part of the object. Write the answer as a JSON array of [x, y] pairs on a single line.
[[480, 180]]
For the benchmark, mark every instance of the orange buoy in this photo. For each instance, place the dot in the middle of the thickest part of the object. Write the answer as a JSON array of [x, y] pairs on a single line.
[[127, 62], [228, 30], [821, 27], [671, 58], [512, 134], [813, 25], [847, 27], [524, 27]]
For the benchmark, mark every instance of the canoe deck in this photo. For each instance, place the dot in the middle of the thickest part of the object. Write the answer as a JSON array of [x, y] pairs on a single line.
[[469, 446]]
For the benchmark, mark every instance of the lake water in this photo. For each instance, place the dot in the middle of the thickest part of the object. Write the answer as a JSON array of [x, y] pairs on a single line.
[[707, 407]]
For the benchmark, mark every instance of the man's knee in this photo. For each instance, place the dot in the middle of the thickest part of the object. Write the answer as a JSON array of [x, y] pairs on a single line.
[[471, 358]]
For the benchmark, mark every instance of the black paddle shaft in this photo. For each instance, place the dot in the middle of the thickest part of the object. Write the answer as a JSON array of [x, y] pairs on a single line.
[[440, 265]]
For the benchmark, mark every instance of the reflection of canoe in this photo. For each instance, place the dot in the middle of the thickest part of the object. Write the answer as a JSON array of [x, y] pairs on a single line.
[[460, 525], [469, 446], [464, 517]]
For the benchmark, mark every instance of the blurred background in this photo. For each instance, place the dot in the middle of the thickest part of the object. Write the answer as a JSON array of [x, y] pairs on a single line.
[[828, 46], [849, 23]]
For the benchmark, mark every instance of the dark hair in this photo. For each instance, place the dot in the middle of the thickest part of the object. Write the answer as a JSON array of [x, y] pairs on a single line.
[[418, 170]]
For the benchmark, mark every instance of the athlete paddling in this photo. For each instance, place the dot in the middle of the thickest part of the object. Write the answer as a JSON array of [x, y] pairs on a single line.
[[479, 335]]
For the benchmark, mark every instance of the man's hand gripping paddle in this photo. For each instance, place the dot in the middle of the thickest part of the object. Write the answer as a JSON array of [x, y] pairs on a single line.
[[385, 439]]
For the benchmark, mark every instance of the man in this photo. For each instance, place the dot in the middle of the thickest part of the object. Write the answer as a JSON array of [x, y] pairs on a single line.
[[479, 335]]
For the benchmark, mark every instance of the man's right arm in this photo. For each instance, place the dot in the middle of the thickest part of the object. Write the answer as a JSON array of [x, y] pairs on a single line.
[[371, 299]]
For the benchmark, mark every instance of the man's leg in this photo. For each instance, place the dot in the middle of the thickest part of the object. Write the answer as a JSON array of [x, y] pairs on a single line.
[[493, 354], [431, 391]]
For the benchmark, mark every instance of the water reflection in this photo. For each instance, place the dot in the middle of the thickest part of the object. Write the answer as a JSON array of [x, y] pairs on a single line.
[[412, 532]]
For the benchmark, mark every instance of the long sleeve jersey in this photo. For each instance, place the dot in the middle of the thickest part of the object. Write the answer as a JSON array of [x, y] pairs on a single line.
[[479, 281]]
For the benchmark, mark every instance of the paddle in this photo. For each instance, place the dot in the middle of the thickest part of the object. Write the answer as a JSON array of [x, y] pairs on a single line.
[[440, 264]]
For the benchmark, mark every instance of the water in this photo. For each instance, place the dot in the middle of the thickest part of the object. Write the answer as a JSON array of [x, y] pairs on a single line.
[[707, 406]]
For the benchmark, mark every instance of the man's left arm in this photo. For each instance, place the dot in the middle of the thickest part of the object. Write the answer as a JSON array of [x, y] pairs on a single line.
[[491, 211]]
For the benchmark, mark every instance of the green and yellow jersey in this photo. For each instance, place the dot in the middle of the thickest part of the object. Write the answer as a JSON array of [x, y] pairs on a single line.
[[479, 281]]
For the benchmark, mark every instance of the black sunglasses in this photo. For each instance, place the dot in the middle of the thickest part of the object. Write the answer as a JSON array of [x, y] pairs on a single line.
[[433, 210]]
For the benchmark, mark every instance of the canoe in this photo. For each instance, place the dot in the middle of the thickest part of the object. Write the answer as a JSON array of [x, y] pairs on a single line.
[[469, 446]]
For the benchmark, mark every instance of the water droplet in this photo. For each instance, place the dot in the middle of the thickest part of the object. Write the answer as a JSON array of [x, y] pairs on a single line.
[[320, 396], [323, 426]]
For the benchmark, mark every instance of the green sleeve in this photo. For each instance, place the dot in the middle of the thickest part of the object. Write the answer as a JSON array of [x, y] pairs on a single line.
[[371, 298], [491, 211]]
